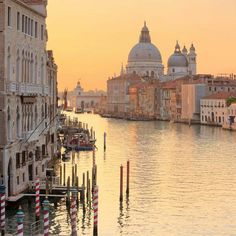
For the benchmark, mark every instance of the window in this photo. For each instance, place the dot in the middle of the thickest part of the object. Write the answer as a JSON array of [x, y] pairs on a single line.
[[219, 119], [23, 24], [36, 170], [18, 180], [23, 157], [36, 29], [29, 27], [18, 21], [23, 177], [26, 24], [32, 28], [209, 88], [17, 160], [9, 16], [41, 32], [42, 168]]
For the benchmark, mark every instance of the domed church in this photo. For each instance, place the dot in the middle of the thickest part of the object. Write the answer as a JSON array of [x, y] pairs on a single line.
[[145, 60], [182, 63]]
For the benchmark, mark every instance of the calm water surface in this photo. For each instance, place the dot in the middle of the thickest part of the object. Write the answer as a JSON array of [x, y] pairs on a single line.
[[183, 180]]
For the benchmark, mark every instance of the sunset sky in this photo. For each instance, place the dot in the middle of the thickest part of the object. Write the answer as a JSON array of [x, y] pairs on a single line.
[[91, 38]]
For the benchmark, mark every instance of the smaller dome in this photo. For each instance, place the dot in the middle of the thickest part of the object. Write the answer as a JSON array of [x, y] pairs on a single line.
[[178, 59]]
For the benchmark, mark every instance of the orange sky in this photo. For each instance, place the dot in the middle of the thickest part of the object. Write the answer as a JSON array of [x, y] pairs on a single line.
[[91, 38]]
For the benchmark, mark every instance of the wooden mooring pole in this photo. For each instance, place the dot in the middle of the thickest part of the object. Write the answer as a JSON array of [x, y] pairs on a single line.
[[73, 176], [68, 190], [121, 183], [127, 183], [87, 193], [60, 174], [64, 175], [105, 141]]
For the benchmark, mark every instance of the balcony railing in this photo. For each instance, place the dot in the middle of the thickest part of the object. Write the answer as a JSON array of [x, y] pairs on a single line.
[[27, 89]]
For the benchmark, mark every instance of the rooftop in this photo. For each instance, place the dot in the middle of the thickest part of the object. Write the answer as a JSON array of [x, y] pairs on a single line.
[[221, 95]]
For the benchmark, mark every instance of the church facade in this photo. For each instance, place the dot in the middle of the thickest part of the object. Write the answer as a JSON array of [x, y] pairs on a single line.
[[145, 60]]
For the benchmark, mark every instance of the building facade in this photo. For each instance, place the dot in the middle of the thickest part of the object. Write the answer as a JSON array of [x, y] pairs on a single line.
[[24, 93], [87, 99], [214, 108], [191, 96]]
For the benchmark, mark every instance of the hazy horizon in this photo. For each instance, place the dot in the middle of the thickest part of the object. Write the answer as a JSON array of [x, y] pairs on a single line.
[[91, 39]]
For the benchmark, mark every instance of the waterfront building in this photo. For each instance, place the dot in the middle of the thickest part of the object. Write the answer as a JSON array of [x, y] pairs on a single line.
[[118, 93], [53, 104], [191, 96], [230, 121], [102, 105], [87, 99], [143, 99], [25, 97], [171, 98], [214, 108]]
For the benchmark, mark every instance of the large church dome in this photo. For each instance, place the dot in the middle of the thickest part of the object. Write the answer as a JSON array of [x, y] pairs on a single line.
[[143, 52], [145, 58]]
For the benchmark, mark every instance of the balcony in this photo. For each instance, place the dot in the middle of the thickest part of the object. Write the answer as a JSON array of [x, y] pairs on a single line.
[[26, 89]]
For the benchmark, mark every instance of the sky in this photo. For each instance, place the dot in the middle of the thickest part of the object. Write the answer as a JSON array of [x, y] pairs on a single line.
[[92, 38]]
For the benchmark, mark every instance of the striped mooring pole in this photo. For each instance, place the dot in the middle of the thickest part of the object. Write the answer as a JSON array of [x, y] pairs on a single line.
[[2, 209], [37, 200], [95, 210], [73, 212], [20, 219], [46, 217]]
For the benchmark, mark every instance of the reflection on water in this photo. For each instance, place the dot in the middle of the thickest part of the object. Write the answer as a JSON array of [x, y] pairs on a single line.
[[183, 180]]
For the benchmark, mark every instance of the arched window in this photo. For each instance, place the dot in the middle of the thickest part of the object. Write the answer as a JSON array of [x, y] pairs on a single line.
[[8, 63], [17, 122], [35, 70], [9, 128], [18, 66], [42, 71], [31, 118], [42, 112], [26, 71], [35, 116], [32, 68], [28, 117], [152, 74], [23, 67], [28, 67]]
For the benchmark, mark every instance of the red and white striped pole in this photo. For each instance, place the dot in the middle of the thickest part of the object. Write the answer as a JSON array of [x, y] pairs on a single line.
[[37, 200], [95, 210], [20, 219], [93, 169], [46, 217], [73, 212], [2, 209]]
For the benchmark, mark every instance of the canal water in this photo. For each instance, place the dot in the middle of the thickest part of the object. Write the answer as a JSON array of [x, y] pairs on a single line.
[[183, 181]]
